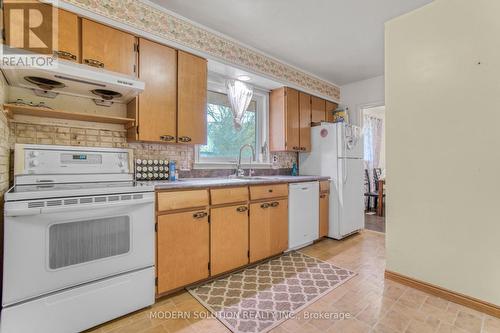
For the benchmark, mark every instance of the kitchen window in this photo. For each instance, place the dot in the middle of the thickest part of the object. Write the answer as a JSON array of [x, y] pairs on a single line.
[[224, 141]]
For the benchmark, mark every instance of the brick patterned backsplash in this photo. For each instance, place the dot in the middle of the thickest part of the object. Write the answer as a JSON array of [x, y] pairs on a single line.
[[182, 154], [52, 134], [66, 136]]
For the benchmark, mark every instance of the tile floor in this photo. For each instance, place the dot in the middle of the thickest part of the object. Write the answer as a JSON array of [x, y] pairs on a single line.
[[372, 303], [374, 222]]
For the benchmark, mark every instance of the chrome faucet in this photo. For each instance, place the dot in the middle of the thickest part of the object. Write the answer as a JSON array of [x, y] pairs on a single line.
[[239, 170]]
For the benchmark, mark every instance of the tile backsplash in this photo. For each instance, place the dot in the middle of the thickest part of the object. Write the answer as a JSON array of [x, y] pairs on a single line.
[[184, 155]]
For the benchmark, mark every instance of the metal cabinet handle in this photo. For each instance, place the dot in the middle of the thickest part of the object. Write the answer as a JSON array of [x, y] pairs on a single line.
[[302, 148], [264, 205], [200, 215], [270, 190], [296, 148], [93, 63], [65, 55], [167, 138], [184, 139], [322, 196], [242, 209], [275, 204]]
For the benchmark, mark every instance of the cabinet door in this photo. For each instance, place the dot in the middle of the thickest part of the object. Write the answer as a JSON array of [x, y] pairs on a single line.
[[323, 214], [108, 48], [305, 121], [228, 238], [158, 102], [182, 249], [329, 107], [268, 229], [260, 231], [278, 216], [292, 119], [318, 113], [68, 35], [192, 99], [67, 31]]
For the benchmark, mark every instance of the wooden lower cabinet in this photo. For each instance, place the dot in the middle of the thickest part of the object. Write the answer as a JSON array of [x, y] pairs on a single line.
[[268, 228], [324, 199], [228, 238], [182, 249]]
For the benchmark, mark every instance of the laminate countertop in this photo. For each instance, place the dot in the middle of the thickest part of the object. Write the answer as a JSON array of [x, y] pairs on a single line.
[[186, 183]]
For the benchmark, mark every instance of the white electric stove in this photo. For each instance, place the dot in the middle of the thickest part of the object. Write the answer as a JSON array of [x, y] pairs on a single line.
[[76, 221]]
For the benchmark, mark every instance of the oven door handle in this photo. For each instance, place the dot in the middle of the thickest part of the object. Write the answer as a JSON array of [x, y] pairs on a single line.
[[14, 211]]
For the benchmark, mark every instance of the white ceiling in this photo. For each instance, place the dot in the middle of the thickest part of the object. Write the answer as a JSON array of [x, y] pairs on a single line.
[[341, 41]]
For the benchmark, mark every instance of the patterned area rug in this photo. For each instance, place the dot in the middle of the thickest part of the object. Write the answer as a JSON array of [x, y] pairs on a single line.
[[259, 298]]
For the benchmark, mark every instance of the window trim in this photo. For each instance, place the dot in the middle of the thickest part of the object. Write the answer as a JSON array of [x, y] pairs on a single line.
[[262, 126]]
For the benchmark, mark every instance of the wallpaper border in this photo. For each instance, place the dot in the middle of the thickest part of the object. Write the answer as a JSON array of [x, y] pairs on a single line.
[[145, 17]]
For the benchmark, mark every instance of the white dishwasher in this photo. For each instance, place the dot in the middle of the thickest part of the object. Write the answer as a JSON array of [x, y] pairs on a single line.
[[303, 214]]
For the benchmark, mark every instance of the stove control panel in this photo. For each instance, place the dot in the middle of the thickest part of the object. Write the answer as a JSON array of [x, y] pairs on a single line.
[[151, 169], [69, 161]]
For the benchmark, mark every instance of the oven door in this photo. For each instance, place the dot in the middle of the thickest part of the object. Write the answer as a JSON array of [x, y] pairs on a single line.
[[56, 247]]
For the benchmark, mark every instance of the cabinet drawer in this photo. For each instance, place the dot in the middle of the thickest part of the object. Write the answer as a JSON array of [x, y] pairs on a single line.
[[268, 191], [182, 199], [324, 186], [221, 196]]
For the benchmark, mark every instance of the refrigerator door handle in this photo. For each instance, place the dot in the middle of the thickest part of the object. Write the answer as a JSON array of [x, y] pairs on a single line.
[[344, 174], [344, 148]]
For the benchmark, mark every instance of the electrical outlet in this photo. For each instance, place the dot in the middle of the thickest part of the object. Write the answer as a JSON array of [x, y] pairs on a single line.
[[275, 158]]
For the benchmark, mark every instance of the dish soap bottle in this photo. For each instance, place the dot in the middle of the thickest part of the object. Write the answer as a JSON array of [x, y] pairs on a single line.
[[294, 169], [172, 171]]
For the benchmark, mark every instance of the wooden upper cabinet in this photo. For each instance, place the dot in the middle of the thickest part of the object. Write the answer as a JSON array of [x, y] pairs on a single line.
[[68, 36], [330, 107], [284, 120], [191, 99], [108, 48], [292, 119], [318, 113], [157, 104], [67, 33], [305, 121], [182, 249], [228, 238]]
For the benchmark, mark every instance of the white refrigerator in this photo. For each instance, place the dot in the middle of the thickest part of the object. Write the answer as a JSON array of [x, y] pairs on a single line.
[[337, 152]]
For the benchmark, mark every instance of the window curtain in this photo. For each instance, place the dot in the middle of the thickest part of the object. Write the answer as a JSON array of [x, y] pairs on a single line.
[[372, 145], [239, 95]]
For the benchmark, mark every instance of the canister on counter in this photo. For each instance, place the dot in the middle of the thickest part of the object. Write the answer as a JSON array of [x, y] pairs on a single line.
[[171, 171]]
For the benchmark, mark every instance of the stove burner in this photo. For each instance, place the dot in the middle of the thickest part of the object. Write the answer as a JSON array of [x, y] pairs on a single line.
[[106, 94], [44, 83]]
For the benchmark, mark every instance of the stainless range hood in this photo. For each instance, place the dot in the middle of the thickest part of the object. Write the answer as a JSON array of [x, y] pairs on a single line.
[[104, 87]]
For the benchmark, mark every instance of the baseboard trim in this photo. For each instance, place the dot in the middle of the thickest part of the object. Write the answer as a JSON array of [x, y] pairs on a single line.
[[470, 302]]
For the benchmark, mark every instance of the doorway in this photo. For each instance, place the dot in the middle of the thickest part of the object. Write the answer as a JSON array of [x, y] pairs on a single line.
[[374, 164]]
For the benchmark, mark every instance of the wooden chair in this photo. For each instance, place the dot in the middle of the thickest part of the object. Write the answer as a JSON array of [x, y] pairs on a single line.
[[368, 192], [377, 172]]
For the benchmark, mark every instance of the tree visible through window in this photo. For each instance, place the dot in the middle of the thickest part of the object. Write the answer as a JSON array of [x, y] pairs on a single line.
[[224, 141]]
